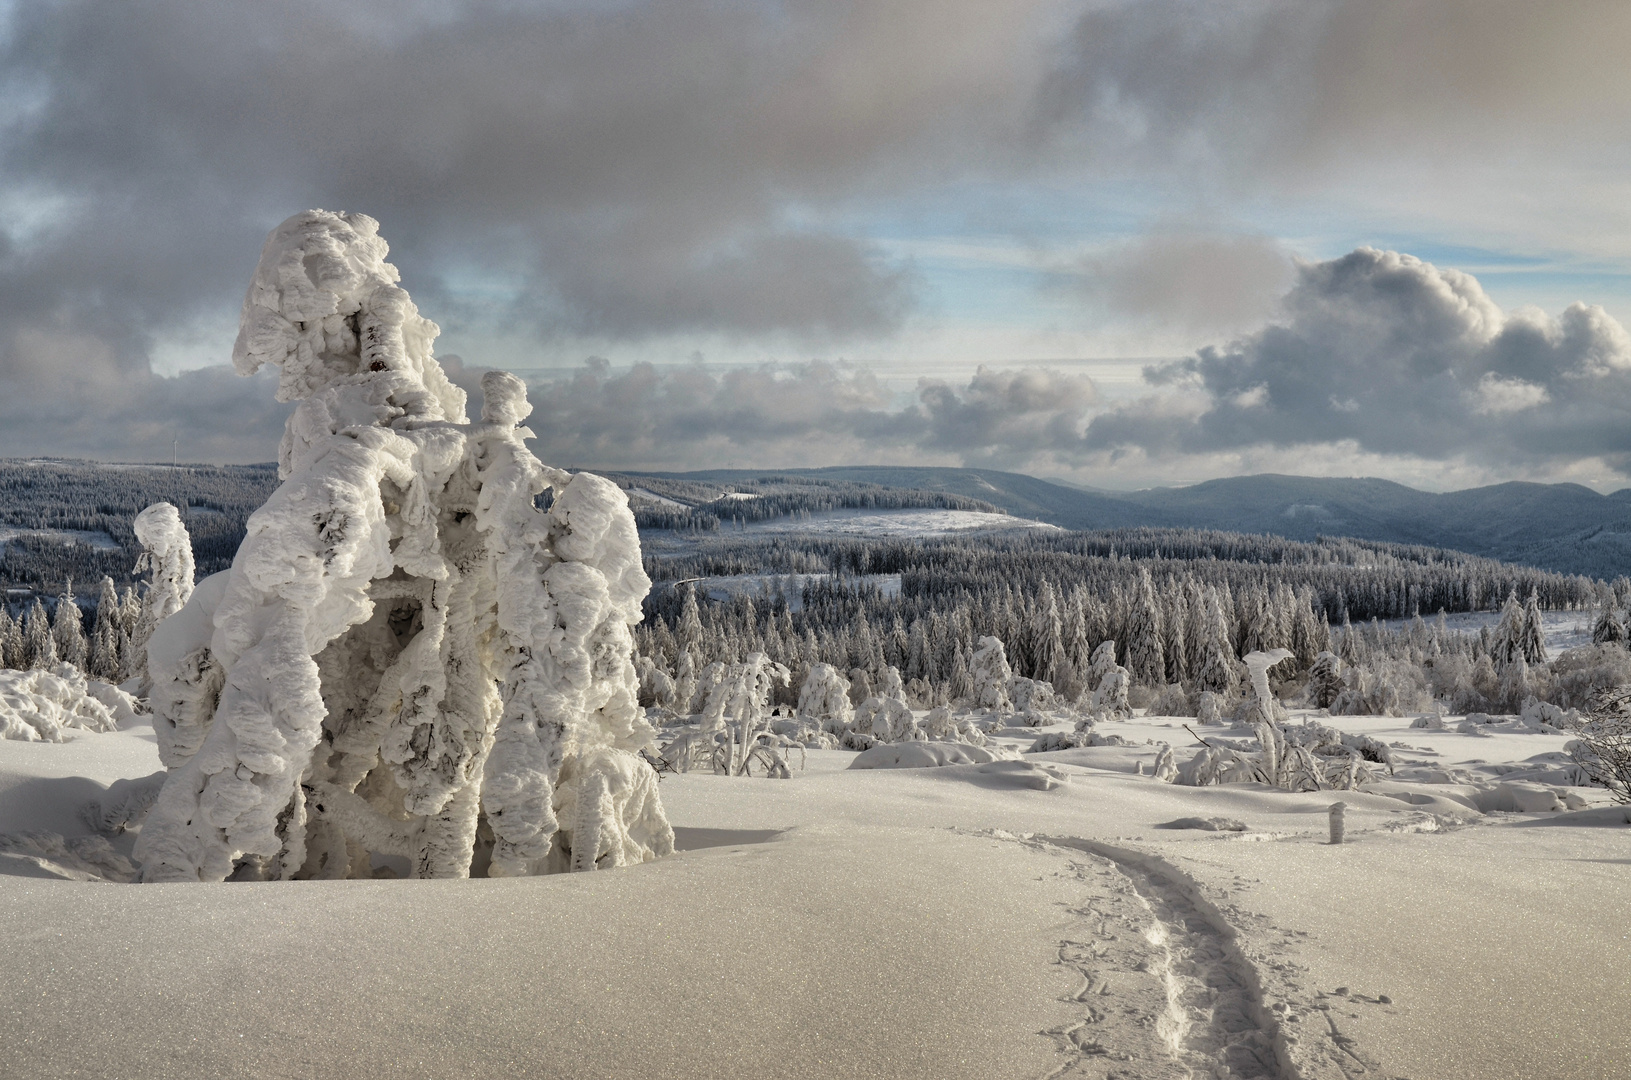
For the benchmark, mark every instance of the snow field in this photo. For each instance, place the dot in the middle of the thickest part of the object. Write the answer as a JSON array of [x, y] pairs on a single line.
[[935, 921]]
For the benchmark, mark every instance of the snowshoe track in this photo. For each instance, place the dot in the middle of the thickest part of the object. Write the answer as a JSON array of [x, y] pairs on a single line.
[[1164, 991]]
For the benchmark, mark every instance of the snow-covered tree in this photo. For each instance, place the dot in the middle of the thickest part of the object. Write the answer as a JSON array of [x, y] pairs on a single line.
[[824, 699], [167, 556], [103, 656], [1324, 680], [1506, 642], [39, 647], [409, 646], [1610, 626], [13, 651], [1146, 658], [1216, 671], [991, 676], [1532, 639], [68, 629]]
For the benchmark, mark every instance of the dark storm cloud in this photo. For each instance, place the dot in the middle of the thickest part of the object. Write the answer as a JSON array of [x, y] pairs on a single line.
[[1244, 90], [630, 166], [635, 171], [808, 414], [1398, 357]]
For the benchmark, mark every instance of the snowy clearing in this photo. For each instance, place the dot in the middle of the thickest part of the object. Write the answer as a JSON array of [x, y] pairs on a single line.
[[1562, 629], [787, 587], [101, 541], [901, 922], [891, 523]]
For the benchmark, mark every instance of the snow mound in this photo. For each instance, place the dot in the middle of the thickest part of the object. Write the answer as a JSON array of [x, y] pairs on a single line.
[[47, 854], [1024, 774], [926, 755], [42, 706], [1206, 824]]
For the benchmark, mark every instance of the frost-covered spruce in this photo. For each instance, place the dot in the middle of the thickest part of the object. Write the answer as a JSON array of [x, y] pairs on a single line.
[[407, 646], [1325, 680], [1506, 642], [1532, 638], [1146, 657], [992, 677], [68, 629]]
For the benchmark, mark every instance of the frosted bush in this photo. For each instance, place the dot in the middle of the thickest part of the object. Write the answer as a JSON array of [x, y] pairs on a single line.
[[1032, 700], [409, 651], [1537, 713], [1110, 699], [735, 731], [1603, 750], [1071, 740], [1209, 708], [1579, 675], [1171, 700], [45, 706], [1216, 765], [824, 699], [886, 719]]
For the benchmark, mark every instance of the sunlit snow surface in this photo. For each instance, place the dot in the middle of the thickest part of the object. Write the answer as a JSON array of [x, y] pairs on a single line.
[[924, 922]]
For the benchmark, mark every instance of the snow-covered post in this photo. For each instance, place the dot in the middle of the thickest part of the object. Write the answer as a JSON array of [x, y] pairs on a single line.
[[407, 646], [168, 556], [1337, 824]]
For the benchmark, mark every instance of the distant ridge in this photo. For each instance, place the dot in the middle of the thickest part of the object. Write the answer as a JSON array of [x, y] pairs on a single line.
[[1562, 527]]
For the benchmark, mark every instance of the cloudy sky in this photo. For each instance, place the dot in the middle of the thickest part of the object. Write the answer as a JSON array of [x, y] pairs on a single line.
[[1123, 243]]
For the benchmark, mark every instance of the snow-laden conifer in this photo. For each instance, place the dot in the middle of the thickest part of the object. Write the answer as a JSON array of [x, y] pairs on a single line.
[[1146, 658], [991, 676], [68, 629], [408, 645]]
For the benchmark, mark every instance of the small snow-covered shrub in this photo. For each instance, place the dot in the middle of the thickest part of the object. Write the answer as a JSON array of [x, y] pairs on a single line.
[[1579, 675], [735, 733], [887, 719], [1170, 700], [44, 706], [1110, 700], [1216, 765], [1536, 713], [1603, 749], [1382, 687], [1072, 740], [1032, 699], [824, 699], [1209, 708]]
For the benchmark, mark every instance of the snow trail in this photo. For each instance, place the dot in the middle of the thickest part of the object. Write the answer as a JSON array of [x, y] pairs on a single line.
[[1167, 993]]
